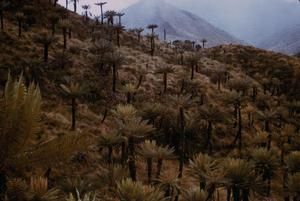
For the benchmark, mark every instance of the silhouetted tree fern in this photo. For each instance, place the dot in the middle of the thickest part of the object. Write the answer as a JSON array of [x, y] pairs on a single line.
[[86, 8], [165, 70], [203, 42], [3, 6], [64, 25], [75, 4], [46, 40], [101, 4], [54, 19], [73, 91], [20, 19]]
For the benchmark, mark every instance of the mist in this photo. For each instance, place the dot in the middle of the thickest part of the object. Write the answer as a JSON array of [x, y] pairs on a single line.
[[250, 20]]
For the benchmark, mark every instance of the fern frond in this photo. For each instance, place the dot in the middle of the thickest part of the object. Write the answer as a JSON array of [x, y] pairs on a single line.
[[53, 152], [19, 120]]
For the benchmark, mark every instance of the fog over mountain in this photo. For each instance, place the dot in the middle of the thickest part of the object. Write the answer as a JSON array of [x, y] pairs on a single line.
[[286, 41], [257, 22], [179, 24], [251, 20]]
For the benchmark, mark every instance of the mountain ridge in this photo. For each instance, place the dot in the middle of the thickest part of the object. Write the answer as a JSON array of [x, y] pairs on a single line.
[[182, 24], [286, 41]]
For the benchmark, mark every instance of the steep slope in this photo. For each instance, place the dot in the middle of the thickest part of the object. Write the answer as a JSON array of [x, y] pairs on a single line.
[[227, 80], [179, 24], [286, 41]]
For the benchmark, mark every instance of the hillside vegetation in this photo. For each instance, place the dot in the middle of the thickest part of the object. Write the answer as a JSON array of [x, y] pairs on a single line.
[[89, 111]]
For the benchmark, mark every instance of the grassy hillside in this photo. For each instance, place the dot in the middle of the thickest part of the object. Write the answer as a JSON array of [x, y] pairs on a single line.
[[106, 114]]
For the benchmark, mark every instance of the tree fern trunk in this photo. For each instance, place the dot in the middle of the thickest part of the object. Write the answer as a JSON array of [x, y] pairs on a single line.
[[181, 141], [47, 173], [124, 153], [159, 167], [228, 196], [70, 33], [75, 6], [20, 28], [168, 193], [267, 129], [239, 134], [181, 59], [128, 97], [235, 113], [73, 114], [104, 116], [202, 185], [152, 44], [253, 94], [236, 194], [149, 169], [46, 52], [165, 82], [109, 156], [282, 153], [202, 99], [286, 196], [2, 184], [53, 29], [2, 20], [182, 86], [268, 187], [114, 69], [208, 141], [193, 71], [102, 17], [65, 38], [140, 82], [131, 161], [118, 39], [245, 194], [249, 119]]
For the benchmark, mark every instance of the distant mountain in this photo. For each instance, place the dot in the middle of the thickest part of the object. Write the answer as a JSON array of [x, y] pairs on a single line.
[[250, 20], [286, 41], [179, 24]]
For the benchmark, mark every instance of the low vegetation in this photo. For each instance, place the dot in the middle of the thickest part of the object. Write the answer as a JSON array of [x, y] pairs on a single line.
[[90, 111]]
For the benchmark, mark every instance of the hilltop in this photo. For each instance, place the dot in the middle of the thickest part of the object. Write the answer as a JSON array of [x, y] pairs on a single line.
[[134, 118]]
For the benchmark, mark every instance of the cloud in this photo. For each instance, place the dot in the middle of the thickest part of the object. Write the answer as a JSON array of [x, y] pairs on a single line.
[[250, 20]]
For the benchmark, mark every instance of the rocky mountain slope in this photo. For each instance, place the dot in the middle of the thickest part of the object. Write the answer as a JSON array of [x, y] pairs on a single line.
[[179, 24], [286, 41]]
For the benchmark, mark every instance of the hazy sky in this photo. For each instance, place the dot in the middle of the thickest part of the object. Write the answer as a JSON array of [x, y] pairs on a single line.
[[232, 5], [249, 20], [111, 4]]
